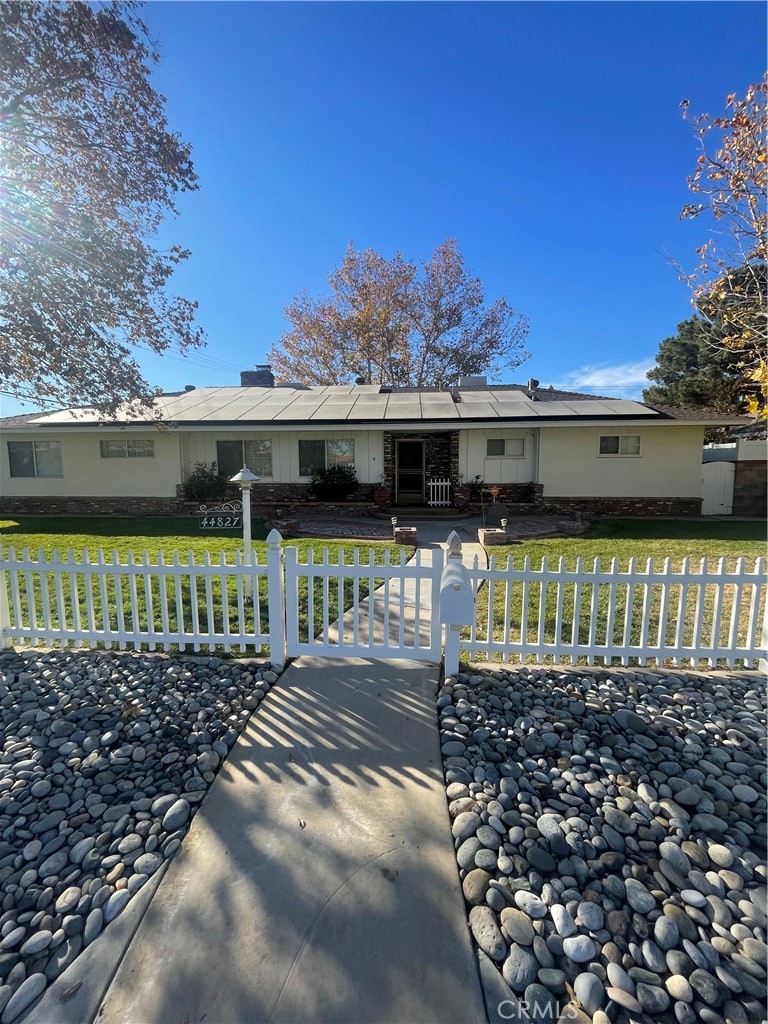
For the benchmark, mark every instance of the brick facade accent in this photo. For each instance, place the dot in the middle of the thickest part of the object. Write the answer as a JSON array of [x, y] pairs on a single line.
[[86, 506], [750, 488], [461, 497], [520, 499], [595, 508], [441, 456], [262, 506]]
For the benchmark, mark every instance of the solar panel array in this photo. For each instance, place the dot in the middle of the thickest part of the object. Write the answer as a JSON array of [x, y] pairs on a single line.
[[362, 403]]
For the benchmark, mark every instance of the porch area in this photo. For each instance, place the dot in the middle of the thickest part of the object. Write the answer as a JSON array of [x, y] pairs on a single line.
[[421, 472], [422, 476]]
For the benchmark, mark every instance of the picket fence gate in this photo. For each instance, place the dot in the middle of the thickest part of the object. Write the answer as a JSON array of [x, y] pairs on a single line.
[[282, 604], [395, 609]]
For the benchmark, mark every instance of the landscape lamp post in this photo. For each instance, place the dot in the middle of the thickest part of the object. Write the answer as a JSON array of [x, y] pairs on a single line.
[[245, 479]]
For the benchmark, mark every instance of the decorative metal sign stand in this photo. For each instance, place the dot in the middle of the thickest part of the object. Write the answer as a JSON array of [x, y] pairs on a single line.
[[228, 516]]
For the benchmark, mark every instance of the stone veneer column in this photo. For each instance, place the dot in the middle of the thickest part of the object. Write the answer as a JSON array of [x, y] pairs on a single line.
[[388, 473]]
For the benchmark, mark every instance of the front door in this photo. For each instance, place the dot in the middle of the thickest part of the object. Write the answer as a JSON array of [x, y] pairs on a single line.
[[409, 472]]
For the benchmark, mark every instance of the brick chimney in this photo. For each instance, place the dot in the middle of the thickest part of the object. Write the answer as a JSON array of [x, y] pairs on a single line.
[[261, 377]]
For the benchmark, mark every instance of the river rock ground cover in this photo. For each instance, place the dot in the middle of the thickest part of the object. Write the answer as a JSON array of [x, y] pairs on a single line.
[[105, 759], [610, 832]]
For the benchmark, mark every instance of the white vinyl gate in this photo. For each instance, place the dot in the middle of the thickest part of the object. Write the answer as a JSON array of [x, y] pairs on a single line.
[[390, 606], [717, 488]]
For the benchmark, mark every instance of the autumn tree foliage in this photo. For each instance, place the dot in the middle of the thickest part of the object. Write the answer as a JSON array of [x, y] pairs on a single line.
[[388, 321], [729, 281], [88, 171]]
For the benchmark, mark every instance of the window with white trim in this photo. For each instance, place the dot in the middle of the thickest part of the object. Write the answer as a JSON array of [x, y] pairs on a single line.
[[232, 455], [35, 458], [127, 448], [619, 444], [505, 447], [315, 455]]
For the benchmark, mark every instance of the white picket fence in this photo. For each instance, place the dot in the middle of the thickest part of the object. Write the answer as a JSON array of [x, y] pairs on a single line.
[[284, 606], [688, 615], [107, 602]]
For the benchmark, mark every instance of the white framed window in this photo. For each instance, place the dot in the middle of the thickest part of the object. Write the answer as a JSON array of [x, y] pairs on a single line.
[[620, 444], [232, 455], [505, 447], [315, 455], [127, 448], [35, 458]]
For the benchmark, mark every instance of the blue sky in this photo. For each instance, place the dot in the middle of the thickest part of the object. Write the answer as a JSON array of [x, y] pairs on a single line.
[[546, 137]]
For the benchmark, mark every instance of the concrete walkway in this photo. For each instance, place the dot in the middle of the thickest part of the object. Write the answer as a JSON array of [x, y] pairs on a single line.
[[318, 881]]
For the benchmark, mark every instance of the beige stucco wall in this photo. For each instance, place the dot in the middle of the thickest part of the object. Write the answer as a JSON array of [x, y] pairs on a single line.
[[508, 470], [86, 474], [567, 461], [200, 446], [669, 464]]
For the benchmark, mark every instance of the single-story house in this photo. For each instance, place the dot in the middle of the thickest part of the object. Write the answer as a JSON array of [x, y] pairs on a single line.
[[545, 450]]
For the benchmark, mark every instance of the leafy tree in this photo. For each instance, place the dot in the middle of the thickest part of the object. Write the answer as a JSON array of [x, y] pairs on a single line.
[[88, 170], [729, 282], [692, 373], [388, 322]]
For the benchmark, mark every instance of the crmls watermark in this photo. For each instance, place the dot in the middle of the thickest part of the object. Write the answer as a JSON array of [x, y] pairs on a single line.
[[550, 1011]]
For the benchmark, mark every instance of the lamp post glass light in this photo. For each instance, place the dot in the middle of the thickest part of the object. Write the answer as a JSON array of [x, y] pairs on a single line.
[[245, 479]]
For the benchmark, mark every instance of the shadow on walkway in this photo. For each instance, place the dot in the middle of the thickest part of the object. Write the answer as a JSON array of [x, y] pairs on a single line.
[[318, 881]]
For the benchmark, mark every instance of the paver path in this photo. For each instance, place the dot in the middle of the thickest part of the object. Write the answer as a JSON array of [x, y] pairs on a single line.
[[318, 880]]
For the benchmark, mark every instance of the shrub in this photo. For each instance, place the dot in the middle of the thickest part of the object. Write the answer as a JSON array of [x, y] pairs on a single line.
[[335, 483], [475, 487], [205, 484]]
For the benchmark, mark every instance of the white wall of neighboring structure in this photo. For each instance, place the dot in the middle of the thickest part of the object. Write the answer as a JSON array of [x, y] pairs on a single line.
[[474, 460], [86, 474], [669, 463], [200, 446], [751, 451]]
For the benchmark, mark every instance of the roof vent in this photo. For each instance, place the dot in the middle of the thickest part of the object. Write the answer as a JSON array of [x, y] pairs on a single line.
[[532, 385], [479, 381], [261, 377]]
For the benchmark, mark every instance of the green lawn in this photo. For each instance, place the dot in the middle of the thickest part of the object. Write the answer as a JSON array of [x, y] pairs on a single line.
[[623, 539], [111, 596]]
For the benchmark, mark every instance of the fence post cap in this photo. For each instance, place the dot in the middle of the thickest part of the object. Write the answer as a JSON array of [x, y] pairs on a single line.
[[274, 538], [454, 545]]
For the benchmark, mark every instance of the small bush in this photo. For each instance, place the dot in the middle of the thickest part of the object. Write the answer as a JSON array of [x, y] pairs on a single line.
[[205, 484], [475, 487], [335, 483]]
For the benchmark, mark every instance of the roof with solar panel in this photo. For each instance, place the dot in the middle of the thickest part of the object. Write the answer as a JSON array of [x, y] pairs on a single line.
[[260, 401]]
